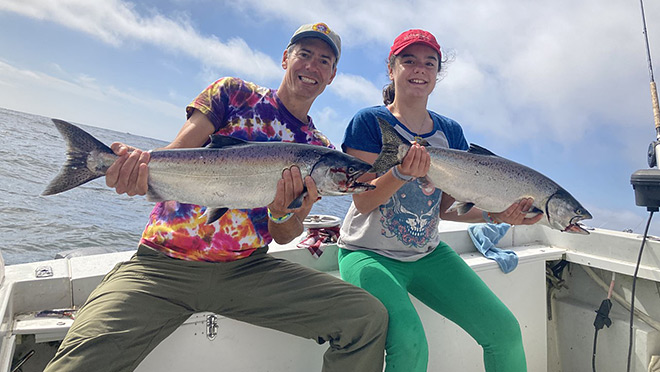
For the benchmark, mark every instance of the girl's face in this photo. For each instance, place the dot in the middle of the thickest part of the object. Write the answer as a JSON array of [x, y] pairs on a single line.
[[415, 71]]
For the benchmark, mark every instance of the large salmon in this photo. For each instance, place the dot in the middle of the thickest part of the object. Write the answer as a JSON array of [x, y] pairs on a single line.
[[478, 177], [227, 174]]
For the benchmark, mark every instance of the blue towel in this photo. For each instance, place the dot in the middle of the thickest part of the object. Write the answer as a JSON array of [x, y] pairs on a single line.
[[485, 236]]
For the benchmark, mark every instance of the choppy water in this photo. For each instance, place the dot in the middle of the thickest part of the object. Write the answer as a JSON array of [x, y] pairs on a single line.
[[35, 227]]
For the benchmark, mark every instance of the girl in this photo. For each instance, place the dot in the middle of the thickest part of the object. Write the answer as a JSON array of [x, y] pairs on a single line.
[[390, 244]]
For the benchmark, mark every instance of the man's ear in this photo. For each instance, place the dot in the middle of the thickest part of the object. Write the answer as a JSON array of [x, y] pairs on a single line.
[[334, 73], [284, 59]]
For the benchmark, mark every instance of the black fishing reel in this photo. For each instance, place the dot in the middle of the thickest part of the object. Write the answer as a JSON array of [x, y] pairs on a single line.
[[651, 158]]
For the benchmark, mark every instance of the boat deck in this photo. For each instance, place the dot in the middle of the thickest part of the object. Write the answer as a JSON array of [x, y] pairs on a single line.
[[196, 344]]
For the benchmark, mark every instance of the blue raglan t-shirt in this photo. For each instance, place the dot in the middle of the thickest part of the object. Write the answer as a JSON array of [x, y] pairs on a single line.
[[406, 226]]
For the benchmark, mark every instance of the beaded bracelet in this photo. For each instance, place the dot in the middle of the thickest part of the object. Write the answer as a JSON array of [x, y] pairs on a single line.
[[488, 218], [282, 219], [399, 176]]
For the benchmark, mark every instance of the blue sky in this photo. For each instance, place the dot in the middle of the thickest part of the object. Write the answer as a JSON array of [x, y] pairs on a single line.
[[561, 86]]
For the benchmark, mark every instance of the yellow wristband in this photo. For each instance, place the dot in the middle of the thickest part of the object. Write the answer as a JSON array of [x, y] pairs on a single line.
[[282, 219]]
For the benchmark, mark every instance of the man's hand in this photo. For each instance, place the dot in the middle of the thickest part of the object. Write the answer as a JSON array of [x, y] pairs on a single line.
[[289, 187], [129, 173]]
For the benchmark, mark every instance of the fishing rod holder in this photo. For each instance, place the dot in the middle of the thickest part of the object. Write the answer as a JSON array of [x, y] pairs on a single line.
[[646, 183]]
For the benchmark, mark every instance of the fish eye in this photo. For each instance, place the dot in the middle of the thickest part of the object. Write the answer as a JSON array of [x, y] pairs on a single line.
[[351, 170]]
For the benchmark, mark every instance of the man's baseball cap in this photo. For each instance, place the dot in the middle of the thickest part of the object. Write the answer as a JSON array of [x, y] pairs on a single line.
[[320, 31], [410, 37]]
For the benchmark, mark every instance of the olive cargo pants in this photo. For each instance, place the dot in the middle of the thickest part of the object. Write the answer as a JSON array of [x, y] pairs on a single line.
[[142, 301]]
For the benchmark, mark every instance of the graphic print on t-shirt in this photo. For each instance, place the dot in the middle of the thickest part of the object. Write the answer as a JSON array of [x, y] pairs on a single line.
[[412, 213]]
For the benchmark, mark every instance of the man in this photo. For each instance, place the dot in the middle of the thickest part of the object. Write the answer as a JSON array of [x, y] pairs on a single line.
[[184, 265]]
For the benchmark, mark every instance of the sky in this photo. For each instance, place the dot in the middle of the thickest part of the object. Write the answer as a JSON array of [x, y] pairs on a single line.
[[560, 86]]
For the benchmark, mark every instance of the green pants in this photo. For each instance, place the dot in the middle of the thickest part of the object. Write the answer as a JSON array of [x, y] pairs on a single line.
[[141, 301], [445, 283]]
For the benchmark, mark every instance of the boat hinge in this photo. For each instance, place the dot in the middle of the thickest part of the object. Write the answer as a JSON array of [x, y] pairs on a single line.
[[211, 326], [43, 272]]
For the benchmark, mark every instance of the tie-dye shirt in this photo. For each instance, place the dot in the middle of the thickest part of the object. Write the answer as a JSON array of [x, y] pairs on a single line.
[[247, 111]]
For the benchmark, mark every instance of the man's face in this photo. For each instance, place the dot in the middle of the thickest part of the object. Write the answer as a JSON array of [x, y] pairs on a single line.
[[310, 67]]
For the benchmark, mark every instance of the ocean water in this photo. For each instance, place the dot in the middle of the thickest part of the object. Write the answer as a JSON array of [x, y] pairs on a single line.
[[91, 216]]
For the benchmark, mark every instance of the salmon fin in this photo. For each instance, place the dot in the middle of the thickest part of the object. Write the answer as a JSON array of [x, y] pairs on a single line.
[[535, 210], [75, 170], [424, 142], [214, 214], [297, 202], [478, 150], [154, 196], [460, 207], [388, 156], [219, 141]]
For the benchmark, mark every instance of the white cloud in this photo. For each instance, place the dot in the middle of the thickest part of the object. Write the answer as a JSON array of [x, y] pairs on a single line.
[[356, 89], [357, 22], [116, 22], [536, 68], [476, 99], [328, 121], [80, 98]]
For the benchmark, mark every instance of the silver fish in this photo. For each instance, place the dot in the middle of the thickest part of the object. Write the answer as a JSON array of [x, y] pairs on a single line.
[[478, 177], [227, 174]]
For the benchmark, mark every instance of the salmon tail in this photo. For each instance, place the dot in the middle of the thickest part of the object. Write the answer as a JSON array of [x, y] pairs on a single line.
[[214, 214], [389, 153], [83, 162], [460, 207]]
